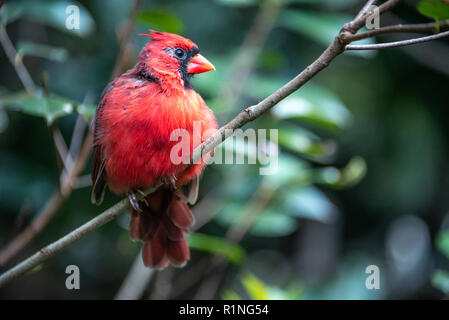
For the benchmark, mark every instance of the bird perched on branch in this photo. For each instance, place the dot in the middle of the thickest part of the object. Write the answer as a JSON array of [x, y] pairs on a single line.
[[133, 123]]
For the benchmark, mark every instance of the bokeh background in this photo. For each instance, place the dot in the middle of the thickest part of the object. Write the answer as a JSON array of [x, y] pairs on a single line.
[[363, 175]]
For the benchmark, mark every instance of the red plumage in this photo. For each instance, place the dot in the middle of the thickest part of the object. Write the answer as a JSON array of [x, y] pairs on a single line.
[[137, 113]]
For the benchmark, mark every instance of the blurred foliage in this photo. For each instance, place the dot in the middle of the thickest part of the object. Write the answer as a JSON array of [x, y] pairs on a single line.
[[435, 9], [160, 20], [440, 280], [255, 289], [49, 106], [360, 146], [442, 243], [232, 252]]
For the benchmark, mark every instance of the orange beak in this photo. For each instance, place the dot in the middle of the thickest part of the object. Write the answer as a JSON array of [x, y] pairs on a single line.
[[199, 64]]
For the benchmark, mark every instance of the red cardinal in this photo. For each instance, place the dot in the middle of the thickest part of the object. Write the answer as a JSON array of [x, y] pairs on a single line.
[[137, 113]]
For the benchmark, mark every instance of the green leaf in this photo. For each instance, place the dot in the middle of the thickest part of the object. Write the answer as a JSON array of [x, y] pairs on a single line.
[[305, 143], [311, 103], [49, 107], [348, 177], [309, 203], [269, 223], [231, 251], [272, 223], [435, 9], [442, 242], [26, 48], [316, 105], [290, 170], [255, 287], [318, 26], [440, 280], [53, 13], [161, 20]]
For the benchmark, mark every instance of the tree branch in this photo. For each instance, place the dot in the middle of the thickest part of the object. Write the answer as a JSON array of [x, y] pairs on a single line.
[[400, 28], [395, 44], [358, 22], [125, 39], [365, 9], [62, 243], [16, 61]]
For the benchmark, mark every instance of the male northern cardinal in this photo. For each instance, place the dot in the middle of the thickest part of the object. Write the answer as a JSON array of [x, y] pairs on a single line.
[[136, 115]]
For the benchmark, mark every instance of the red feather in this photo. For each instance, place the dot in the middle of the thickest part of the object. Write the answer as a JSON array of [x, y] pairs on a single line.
[[136, 116]]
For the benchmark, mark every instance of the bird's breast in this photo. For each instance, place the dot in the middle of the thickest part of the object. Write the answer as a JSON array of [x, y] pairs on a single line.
[[141, 127]]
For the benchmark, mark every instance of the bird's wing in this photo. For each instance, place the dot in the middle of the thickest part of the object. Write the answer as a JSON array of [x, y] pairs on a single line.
[[98, 166], [98, 176]]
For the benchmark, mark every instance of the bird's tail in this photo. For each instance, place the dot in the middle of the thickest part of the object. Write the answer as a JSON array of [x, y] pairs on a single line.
[[161, 226]]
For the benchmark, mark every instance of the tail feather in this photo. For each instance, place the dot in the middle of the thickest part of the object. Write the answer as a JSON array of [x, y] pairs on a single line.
[[161, 226], [180, 214]]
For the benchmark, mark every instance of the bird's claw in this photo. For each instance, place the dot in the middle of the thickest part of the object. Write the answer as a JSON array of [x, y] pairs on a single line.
[[134, 201], [143, 196], [170, 181]]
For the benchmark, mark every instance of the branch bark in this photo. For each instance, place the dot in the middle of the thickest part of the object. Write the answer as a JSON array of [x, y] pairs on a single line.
[[16, 61], [400, 28], [396, 44]]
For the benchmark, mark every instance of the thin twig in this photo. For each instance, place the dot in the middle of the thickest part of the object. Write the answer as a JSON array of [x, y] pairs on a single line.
[[16, 61], [136, 281], [249, 51], [125, 39], [365, 9], [50, 208], [388, 5], [400, 28], [395, 44], [62, 149], [65, 241], [83, 182], [77, 136], [360, 20]]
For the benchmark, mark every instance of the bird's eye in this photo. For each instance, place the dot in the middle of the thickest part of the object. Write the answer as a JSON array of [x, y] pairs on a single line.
[[180, 53]]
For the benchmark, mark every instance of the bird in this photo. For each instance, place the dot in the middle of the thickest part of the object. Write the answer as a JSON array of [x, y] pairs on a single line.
[[136, 115]]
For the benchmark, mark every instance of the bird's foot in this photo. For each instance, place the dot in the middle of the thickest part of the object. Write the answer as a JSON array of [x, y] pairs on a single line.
[[143, 196], [170, 181], [134, 201]]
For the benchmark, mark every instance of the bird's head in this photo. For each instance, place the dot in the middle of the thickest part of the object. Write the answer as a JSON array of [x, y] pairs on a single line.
[[172, 58]]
